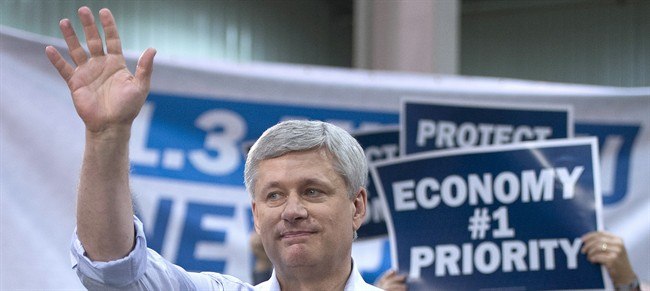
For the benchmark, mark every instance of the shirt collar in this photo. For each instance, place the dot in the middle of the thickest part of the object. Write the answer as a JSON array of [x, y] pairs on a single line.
[[355, 281]]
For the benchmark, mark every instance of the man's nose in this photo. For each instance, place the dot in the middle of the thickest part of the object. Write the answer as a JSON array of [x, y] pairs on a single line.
[[294, 209]]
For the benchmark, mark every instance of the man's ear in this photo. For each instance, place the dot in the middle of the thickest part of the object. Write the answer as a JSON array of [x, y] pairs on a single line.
[[255, 218], [359, 203]]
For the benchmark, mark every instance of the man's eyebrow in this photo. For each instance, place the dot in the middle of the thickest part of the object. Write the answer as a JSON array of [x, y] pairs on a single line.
[[302, 182], [310, 181], [273, 184]]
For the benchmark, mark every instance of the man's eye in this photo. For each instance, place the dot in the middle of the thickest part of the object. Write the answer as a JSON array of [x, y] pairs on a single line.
[[273, 196], [313, 192]]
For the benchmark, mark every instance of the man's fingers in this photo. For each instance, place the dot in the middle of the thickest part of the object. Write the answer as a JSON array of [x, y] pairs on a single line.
[[589, 236], [65, 70], [387, 274], [77, 52], [593, 242], [94, 41], [113, 43], [601, 258], [597, 246], [145, 68], [587, 245]]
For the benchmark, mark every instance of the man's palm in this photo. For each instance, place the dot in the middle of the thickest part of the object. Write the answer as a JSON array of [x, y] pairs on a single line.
[[104, 92]]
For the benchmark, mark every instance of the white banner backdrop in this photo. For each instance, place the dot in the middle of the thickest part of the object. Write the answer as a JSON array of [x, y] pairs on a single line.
[[187, 178]]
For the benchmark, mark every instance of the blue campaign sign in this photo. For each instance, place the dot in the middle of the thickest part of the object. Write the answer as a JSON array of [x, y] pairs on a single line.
[[378, 145], [502, 217], [204, 139], [430, 124]]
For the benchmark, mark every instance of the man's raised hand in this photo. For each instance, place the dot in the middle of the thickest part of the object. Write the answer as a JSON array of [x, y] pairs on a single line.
[[107, 97], [105, 94]]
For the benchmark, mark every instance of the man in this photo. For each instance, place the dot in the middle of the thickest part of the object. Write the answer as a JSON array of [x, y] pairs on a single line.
[[305, 179]]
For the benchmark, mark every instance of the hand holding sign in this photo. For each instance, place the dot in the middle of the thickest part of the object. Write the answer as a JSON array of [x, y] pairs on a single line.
[[609, 250]]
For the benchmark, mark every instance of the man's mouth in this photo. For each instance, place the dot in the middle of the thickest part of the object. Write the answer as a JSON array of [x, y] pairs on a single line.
[[296, 234]]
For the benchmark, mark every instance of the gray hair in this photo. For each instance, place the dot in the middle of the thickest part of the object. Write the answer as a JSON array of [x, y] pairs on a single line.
[[301, 135]]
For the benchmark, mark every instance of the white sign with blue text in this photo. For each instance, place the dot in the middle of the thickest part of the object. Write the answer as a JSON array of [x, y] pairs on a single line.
[[508, 216]]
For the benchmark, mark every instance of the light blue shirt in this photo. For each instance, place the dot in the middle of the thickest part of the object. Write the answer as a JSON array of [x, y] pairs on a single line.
[[145, 269]]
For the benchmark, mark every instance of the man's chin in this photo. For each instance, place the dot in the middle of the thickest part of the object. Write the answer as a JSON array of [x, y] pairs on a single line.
[[298, 256]]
